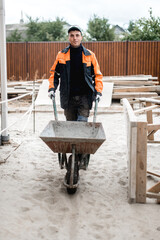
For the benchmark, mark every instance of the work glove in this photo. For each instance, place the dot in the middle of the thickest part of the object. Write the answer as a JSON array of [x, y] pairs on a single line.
[[51, 94], [98, 96]]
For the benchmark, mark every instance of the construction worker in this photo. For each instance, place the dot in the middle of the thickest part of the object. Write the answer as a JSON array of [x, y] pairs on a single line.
[[77, 71]]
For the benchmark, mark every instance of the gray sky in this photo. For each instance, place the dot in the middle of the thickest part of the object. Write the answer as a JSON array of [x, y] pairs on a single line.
[[78, 12]]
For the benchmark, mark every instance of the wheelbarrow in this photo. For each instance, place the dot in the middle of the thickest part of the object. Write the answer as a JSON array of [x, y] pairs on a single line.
[[79, 138]]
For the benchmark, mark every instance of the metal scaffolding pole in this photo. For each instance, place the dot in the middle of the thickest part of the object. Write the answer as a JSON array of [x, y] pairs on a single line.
[[3, 71]]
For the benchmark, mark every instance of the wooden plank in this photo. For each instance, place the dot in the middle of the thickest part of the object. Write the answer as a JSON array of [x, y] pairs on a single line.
[[106, 99], [153, 195], [20, 83], [30, 88], [126, 78], [133, 100], [17, 91], [152, 127], [141, 166], [146, 109], [151, 133], [132, 83], [42, 97], [150, 121], [132, 152], [138, 76], [150, 100], [137, 89], [155, 189], [152, 78], [128, 110], [154, 174], [153, 141], [131, 132], [142, 76], [133, 95]]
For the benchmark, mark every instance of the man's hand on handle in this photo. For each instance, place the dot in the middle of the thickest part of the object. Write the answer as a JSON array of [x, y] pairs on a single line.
[[51, 94], [98, 96]]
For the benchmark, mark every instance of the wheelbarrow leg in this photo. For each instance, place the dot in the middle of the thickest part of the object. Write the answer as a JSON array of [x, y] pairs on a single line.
[[84, 161], [62, 158], [72, 175]]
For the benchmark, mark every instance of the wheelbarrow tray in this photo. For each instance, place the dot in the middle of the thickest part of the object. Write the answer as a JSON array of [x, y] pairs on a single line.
[[61, 135]]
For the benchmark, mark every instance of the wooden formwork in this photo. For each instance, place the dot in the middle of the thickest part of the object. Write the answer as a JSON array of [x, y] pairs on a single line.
[[139, 133]]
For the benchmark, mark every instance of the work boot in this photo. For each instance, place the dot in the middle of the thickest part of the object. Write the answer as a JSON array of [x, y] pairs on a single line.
[[83, 161]]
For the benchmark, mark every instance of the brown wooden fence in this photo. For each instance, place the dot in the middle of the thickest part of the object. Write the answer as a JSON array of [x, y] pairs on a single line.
[[115, 58]]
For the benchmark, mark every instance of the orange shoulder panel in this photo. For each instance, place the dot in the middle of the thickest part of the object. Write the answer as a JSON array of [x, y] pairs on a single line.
[[61, 58]]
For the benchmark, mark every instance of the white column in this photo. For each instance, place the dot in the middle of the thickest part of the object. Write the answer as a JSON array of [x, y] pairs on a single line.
[[3, 71]]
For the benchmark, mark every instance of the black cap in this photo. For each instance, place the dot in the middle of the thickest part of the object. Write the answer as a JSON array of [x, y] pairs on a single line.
[[74, 28]]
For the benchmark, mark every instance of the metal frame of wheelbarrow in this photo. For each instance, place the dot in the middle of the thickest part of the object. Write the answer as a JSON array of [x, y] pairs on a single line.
[[89, 140]]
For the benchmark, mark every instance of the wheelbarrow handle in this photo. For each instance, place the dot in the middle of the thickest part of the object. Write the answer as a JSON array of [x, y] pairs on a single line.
[[55, 108], [95, 110]]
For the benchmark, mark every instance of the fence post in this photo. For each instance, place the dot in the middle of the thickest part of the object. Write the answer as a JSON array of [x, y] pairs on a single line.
[[3, 70]]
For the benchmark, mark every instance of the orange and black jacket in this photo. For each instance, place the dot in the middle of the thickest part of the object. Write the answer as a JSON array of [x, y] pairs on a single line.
[[60, 72]]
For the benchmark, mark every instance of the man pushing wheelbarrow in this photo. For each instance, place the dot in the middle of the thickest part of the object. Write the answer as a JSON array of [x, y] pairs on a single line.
[[77, 71]]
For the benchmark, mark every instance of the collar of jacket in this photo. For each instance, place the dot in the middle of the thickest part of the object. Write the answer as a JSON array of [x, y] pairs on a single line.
[[85, 51]]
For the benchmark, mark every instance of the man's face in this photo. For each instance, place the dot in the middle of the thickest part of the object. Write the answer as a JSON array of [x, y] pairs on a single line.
[[75, 38]]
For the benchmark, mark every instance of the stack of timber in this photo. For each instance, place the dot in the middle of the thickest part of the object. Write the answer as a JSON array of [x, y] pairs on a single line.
[[18, 88], [134, 86]]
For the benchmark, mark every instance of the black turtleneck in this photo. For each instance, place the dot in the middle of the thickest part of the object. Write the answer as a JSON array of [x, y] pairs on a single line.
[[78, 85]]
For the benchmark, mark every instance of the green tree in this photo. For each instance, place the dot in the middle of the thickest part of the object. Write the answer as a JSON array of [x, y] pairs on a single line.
[[46, 31], [14, 37], [144, 29], [131, 26], [99, 29]]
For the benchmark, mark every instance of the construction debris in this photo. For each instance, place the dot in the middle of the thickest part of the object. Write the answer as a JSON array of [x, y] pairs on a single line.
[[134, 86]]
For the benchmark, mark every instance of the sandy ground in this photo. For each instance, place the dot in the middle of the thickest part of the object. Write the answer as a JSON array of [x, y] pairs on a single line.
[[34, 203]]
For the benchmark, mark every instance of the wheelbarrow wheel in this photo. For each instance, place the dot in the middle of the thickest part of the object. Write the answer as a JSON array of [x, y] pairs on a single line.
[[72, 190]]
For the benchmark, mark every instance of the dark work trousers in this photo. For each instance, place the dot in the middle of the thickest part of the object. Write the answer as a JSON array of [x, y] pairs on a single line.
[[78, 109]]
